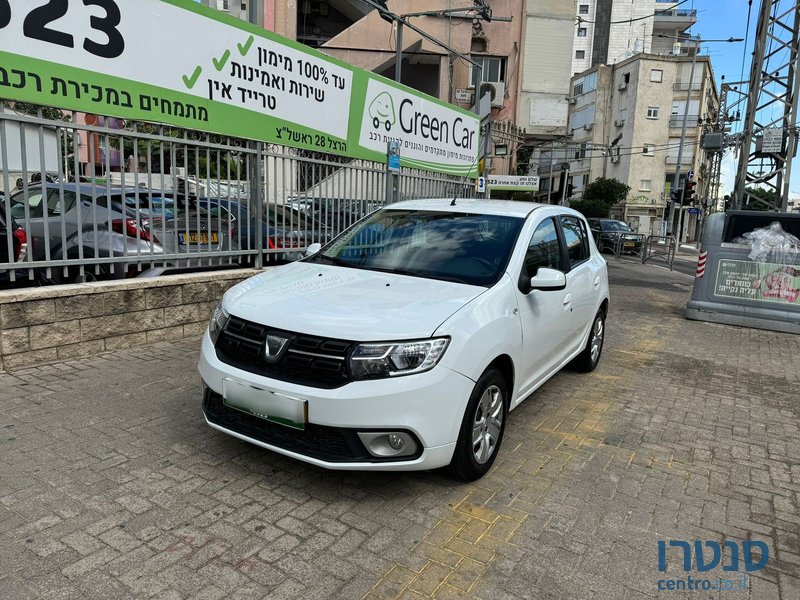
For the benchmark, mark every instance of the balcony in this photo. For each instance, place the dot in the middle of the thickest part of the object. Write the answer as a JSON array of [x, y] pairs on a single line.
[[676, 121], [676, 18], [687, 159], [683, 86]]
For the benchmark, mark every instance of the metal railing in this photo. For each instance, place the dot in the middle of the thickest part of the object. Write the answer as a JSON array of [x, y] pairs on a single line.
[[661, 247], [620, 242], [110, 200]]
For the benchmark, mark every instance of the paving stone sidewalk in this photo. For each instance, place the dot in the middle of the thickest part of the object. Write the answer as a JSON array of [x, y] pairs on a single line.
[[112, 486]]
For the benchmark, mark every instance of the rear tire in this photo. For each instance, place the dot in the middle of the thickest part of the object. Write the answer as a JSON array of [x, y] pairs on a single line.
[[589, 358], [482, 428]]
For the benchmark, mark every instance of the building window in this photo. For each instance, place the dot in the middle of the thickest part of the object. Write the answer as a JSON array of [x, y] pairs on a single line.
[[656, 75], [493, 69], [583, 9], [577, 89], [645, 185], [580, 54], [649, 150], [582, 31], [623, 114], [652, 112]]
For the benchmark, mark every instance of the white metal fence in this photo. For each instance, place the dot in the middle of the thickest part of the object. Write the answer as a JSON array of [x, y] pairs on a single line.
[[85, 197]]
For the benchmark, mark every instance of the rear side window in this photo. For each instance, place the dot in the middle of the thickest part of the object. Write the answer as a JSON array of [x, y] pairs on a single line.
[[544, 249], [576, 239]]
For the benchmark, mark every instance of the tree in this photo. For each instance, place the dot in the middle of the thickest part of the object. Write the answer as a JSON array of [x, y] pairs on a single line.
[[524, 159], [609, 191], [591, 208], [765, 195]]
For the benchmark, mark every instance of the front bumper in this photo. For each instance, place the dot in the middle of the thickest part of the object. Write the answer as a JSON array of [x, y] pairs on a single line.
[[428, 406]]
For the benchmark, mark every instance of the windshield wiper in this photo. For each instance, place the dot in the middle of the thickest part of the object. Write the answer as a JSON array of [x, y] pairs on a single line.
[[335, 261]]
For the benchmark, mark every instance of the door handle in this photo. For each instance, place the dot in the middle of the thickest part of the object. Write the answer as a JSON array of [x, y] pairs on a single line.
[[597, 282], [568, 300]]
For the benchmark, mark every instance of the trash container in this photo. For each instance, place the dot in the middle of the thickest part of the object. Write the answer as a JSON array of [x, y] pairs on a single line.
[[749, 271]]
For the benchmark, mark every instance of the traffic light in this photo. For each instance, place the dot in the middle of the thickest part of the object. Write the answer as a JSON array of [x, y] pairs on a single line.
[[688, 192], [570, 190], [675, 197]]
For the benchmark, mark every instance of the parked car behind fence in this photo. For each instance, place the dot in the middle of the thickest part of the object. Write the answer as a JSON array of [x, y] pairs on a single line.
[[80, 232]]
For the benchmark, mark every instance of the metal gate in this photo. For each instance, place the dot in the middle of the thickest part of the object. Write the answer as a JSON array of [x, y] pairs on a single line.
[[85, 197]]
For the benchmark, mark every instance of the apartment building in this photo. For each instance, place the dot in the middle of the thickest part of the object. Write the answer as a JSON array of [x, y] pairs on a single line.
[[609, 31], [625, 122]]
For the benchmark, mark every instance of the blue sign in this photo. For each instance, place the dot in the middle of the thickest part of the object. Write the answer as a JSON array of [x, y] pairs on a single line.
[[694, 211], [393, 154]]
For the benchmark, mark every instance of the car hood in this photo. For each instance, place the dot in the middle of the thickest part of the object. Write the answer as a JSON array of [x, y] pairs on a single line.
[[351, 304]]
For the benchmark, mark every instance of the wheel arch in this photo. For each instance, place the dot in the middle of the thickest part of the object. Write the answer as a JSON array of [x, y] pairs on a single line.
[[505, 365]]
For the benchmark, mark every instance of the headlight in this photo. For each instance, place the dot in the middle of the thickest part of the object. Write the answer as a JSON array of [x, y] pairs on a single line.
[[375, 361], [219, 319]]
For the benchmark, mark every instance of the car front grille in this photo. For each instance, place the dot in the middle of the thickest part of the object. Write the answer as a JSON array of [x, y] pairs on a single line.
[[307, 360]]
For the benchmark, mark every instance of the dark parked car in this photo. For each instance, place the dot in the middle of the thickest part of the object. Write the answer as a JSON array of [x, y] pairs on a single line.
[[282, 227], [607, 233]]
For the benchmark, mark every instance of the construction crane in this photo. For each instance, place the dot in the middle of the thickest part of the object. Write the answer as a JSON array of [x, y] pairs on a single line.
[[769, 140]]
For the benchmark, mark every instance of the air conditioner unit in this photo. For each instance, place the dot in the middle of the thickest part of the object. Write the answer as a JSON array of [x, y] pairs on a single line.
[[588, 126], [572, 100], [496, 89], [614, 158], [619, 122], [623, 85]]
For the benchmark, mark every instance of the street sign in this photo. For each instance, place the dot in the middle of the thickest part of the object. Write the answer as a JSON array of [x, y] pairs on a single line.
[[529, 183], [480, 185], [690, 175], [694, 211], [463, 95], [772, 142]]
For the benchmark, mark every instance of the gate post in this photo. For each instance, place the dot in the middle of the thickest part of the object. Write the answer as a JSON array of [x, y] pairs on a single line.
[[257, 197]]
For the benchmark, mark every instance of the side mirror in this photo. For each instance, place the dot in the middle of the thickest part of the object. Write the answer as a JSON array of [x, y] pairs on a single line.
[[545, 280], [549, 280], [313, 249]]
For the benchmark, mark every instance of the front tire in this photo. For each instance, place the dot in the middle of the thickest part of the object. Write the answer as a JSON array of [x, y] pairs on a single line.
[[482, 428], [588, 360]]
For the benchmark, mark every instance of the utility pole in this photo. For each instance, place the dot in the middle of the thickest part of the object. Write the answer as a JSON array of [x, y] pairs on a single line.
[[255, 168], [676, 180]]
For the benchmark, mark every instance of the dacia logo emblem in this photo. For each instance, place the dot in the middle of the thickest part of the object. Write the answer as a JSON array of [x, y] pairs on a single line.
[[274, 348]]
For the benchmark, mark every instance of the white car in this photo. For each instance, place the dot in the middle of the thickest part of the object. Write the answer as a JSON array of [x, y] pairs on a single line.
[[405, 342]]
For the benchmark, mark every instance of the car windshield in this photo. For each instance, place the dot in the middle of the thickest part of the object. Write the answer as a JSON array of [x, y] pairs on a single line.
[[460, 247], [615, 226]]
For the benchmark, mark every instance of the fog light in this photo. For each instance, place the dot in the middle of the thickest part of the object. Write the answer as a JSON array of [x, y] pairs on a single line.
[[388, 444], [396, 442]]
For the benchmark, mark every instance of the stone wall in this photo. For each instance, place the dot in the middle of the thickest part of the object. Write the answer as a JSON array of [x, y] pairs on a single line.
[[61, 322]]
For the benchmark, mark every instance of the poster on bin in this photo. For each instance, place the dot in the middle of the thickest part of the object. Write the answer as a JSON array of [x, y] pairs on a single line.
[[761, 282], [180, 63]]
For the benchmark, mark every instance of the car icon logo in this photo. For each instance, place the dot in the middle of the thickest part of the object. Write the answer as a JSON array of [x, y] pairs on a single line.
[[382, 111], [274, 348]]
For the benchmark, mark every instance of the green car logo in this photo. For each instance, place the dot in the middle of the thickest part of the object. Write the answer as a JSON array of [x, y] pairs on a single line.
[[382, 111]]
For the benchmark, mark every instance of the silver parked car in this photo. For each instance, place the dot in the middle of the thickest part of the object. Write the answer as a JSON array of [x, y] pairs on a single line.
[[135, 227]]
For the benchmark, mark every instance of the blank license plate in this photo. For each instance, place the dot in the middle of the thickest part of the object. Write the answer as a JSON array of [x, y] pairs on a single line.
[[629, 244], [265, 404], [198, 237]]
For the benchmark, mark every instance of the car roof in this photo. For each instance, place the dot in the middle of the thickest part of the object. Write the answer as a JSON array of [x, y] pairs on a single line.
[[507, 208]]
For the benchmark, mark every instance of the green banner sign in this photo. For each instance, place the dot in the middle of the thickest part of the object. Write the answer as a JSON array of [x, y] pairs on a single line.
[[180, 63]]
